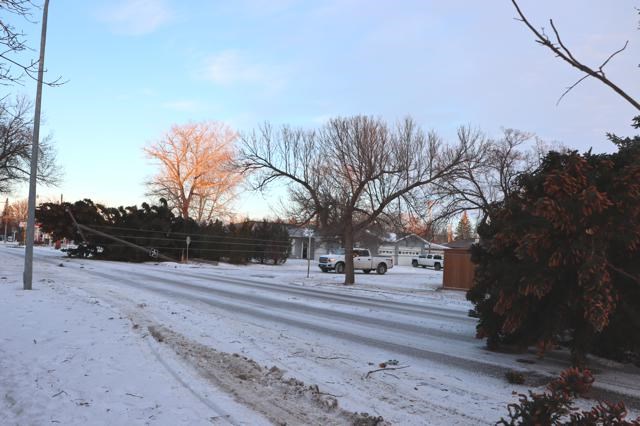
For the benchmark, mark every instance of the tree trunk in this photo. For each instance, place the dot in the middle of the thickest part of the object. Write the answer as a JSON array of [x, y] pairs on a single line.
[[581, 345], [349, 275]]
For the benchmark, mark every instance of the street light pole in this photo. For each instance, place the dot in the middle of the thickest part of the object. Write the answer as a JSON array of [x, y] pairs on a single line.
[[27, 277]]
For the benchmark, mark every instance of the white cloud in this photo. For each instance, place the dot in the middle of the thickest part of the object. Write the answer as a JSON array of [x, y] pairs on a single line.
[[136, 17], [231, 67]]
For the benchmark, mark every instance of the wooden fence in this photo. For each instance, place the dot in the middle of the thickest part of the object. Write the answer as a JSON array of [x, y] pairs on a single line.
[[458, 269]]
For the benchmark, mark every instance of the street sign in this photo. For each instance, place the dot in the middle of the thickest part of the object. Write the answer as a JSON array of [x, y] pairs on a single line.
[[308, 232]]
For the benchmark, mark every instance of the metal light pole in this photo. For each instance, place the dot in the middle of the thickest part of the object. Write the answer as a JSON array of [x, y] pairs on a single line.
[[31, 217]]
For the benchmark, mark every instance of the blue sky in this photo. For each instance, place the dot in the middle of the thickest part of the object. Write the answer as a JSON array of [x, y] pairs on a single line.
[[136, 67]]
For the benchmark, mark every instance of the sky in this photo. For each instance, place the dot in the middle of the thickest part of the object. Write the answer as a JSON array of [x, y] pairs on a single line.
[[136, 67]]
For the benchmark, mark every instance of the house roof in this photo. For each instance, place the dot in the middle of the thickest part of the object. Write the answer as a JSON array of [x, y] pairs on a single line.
[[434, 246], [428, 244], [464, 244], [411, 235], [297, 232]]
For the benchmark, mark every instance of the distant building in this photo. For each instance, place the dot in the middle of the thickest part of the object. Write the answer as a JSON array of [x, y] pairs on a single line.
[[300, 248], [405, 248]]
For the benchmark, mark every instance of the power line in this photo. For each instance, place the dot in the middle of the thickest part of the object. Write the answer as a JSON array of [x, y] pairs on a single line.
[[270, 243], [192, 235], [182, 248]]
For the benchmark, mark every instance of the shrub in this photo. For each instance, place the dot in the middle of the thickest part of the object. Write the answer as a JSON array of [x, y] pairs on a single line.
[[555, 407], [573, 382], [156, 227]]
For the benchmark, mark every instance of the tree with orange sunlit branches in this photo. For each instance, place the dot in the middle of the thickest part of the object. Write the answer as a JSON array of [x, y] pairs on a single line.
[[196, 175], [18, 210]]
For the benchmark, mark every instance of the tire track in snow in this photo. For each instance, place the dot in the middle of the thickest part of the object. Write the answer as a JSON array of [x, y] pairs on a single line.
[[491, 368], [412, 309]]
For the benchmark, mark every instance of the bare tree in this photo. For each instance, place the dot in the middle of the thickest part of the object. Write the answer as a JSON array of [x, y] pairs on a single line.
[[196, 175], [13, 66], [18, 211], [347, 174], [489, 174], [16, 128], [558, 47]]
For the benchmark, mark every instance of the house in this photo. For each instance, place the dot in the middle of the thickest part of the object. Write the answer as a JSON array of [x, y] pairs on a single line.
[[301, 245], [405, 248]]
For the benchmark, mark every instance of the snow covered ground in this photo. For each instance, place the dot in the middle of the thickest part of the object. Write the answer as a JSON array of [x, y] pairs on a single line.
[[115, 343]]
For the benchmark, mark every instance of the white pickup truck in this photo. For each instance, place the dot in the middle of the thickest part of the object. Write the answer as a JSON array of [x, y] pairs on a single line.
[[362, 259], [435, 261]]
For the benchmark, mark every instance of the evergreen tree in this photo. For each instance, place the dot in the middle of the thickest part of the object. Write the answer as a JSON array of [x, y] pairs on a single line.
[[279, 246], [559, 262], [464, 230], [156, 227]]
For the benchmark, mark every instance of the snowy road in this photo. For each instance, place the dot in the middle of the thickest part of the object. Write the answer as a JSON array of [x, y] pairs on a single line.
[[326, 335], [406, 329]]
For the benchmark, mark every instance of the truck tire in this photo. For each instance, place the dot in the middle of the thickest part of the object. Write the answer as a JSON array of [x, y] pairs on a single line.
[[340, 268], [414, 263], [381, 269], [437, 266], [366, 271]]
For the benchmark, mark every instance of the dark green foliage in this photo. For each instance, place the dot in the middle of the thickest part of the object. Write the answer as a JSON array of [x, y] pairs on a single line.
[[555, 407], [464, 230], [239, 241], [210, 243], [149, 226], [558, 262], [156, 227], [272, 244]]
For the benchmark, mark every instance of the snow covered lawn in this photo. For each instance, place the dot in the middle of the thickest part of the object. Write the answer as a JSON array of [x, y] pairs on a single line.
[[67, 358], [115, 343]]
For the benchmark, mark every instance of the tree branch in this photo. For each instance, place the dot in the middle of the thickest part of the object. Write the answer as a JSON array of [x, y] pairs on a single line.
[[566, 55]]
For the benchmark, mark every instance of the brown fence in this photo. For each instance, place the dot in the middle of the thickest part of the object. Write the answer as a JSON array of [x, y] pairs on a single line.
[[458, 269]]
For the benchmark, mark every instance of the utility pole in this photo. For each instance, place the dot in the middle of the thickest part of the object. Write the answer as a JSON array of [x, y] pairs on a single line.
[[27, 277]]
